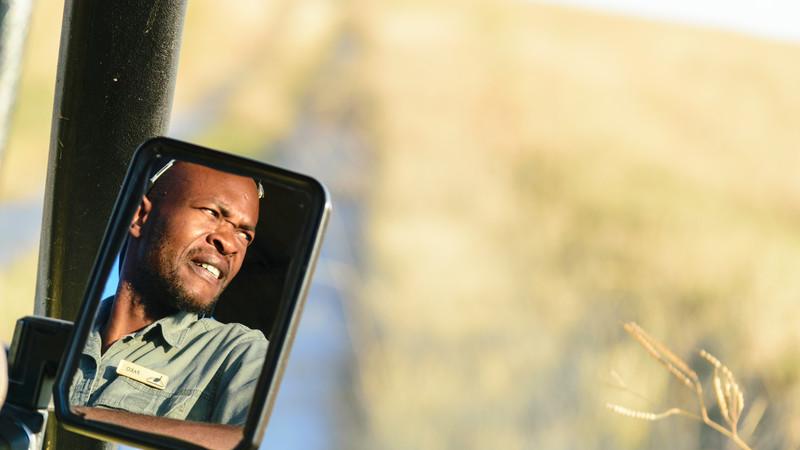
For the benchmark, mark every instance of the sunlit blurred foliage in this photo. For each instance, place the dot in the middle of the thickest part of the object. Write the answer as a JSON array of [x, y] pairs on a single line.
[[23, 167], [546, 174], [22, 170], [244, 66]]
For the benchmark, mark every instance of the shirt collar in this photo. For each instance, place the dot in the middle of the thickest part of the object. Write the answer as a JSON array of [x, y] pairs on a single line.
[[173, 328], [93, 342]]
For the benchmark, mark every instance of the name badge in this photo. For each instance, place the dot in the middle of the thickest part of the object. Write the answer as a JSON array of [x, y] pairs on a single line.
[[142, 374]]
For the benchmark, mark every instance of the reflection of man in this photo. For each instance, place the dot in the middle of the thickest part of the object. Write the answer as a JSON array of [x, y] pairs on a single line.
[[150, 352]]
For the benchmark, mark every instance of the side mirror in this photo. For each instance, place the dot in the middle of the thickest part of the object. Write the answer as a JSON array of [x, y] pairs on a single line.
[[193, 301]]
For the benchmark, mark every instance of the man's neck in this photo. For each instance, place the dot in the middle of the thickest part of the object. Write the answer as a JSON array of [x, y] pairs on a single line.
[[128, 315]]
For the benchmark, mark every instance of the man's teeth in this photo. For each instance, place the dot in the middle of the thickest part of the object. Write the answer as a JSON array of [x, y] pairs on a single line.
[[214, 271]]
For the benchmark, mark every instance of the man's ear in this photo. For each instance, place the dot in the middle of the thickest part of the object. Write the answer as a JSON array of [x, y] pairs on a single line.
[[140, 217]]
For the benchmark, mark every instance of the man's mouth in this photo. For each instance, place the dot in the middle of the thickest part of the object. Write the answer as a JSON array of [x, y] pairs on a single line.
[[211, 269]]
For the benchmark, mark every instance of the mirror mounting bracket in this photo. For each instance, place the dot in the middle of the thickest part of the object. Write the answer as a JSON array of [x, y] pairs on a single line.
[[36, 350]]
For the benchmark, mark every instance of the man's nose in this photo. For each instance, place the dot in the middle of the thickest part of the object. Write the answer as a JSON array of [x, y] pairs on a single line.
[[224, 240]]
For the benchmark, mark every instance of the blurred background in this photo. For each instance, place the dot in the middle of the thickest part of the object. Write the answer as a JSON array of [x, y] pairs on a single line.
[[512, 182]]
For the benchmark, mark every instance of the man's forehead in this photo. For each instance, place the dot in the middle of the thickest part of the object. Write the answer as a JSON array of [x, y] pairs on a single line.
[[196, 174], [195, 181], [182, 170]]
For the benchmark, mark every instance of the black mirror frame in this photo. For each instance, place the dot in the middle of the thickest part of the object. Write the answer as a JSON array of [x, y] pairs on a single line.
[[298, 281]]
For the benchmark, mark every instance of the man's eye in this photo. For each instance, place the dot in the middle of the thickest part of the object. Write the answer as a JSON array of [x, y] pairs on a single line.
[[210, 212], [245, 236]]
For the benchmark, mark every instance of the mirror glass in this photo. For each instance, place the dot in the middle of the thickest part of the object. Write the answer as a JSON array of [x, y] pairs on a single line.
[[196, 303]]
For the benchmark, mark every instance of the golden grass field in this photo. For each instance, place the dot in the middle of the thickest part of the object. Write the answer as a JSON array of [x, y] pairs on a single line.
[[542, 176], [547, 174]]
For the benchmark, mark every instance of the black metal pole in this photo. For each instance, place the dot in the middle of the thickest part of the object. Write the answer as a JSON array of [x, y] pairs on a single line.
[[116, 75]]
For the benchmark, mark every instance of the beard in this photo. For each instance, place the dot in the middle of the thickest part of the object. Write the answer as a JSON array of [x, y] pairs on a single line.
[[164, 294], [163, 291]]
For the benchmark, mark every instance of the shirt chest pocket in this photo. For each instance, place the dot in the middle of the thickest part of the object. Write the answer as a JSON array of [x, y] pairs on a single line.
[[132, 396]]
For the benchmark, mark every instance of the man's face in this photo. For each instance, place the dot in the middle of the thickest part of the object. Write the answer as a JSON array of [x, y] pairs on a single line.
[[194, 239]]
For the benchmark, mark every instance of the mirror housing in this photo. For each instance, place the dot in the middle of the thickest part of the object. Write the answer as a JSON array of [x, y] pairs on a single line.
[[279, 323]]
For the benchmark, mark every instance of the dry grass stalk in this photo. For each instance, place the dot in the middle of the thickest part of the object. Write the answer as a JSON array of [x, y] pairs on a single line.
[[728, 394], [645, 415], [662, 354]]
